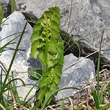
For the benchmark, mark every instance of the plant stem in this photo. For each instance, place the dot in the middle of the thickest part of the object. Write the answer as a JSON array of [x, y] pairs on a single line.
[[13, 5], [98, 65], [46, 47]]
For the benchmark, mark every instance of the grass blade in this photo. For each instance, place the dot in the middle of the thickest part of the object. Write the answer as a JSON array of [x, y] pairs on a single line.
[[101, 95], [98, 65], [96, 99], [1, 106], [8, 43], [6, 85], [62, 105], [1, 14], [3, 47], [70, 14], [13, 35], [15, 91], [108, 88], [13, 6], [106, 106], [7, 104]]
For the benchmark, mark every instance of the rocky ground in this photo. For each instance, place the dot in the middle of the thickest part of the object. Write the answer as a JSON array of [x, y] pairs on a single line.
[[89, 18]]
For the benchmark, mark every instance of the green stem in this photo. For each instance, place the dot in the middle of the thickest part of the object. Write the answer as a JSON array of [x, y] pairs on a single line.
[[13, 6], [46, 47], [98, 65]]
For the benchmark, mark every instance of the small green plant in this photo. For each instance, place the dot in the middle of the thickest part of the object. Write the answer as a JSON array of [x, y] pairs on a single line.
[[47, 45]]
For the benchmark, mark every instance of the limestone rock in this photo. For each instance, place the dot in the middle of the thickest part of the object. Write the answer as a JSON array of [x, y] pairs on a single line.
[[90, 16], [3, 2], [76, 75], [11, 28]]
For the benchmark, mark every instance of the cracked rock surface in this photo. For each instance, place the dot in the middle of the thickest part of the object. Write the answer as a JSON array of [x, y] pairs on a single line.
[[76, 75], [91, 16]]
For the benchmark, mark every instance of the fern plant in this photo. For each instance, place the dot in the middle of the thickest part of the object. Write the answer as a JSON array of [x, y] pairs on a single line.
[[48, 46]]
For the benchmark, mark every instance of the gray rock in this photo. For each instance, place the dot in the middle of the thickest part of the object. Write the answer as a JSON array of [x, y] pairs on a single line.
[[14, 25], [23, 61], [90, 16], [8, 1], [3, 2], [76, 75]]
